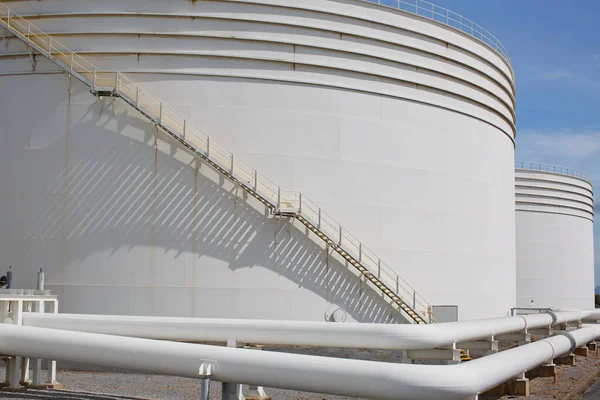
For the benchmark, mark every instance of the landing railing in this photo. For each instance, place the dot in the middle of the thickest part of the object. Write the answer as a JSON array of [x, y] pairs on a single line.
[[555, 169], [442, 15], [281, 202]]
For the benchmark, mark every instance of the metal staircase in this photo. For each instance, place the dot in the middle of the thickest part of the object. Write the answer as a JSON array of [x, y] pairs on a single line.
[[281, 203]]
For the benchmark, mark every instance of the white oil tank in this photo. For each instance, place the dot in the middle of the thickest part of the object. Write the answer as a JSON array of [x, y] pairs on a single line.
[[398, 126], [555, 237]]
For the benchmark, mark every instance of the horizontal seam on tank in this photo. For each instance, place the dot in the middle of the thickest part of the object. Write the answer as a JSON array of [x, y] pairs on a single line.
[[330, 67], [300, 287], [591, 219], [322, 84], [408, 15], [461, 97], [519, 179], [525, 203], [545, 188], [129, 14], [421, 66], [553, 196], [569, 188], [566, 190], [370, 163], [522, 196], [588, 217], [446, 212], [456, 62]]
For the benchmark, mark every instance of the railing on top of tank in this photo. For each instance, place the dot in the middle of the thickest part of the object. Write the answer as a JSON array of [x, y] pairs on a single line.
[[176, 125], [556, 169], [443, 15]]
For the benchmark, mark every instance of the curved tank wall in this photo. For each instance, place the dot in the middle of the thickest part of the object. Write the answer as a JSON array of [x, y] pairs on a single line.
[[399, 127], [555, 240]]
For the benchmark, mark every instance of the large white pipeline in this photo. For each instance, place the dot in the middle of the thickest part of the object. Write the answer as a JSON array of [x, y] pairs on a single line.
[[327, 334], [345, 377]]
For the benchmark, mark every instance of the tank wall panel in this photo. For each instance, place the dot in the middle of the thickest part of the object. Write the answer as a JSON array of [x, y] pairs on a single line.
[[399, 128], [555, 261]]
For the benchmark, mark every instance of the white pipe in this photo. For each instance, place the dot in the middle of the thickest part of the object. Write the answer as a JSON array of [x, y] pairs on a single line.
[[327, 334], [512, 363], [367, 379]]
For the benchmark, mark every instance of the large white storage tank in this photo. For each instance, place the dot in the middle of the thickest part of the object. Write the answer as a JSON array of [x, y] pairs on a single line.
[[401, 127], [555, 237]]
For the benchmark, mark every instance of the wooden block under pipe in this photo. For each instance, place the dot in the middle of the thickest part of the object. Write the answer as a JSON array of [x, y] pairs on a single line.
[[581, 351], [566, 360], [514, 387], [543, 371]]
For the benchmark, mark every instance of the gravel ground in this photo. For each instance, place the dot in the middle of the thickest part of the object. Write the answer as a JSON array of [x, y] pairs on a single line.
[[119, 385], [572, 382], [87, 385]]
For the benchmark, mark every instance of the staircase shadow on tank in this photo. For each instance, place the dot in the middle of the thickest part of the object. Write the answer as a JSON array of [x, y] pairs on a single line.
[[141, 216]]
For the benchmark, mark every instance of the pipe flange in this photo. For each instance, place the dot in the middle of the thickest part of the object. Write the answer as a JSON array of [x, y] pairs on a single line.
[[553, 315], [524, 322], [571, 339]]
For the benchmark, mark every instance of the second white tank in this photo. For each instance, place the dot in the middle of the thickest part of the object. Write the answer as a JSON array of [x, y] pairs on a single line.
[[555, 238]]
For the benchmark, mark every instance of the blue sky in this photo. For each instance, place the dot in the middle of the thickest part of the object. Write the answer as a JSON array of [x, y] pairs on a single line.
[[555, 51]]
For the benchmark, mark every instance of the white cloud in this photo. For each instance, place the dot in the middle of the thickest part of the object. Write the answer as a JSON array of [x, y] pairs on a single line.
[[561, 144], [573, 150]]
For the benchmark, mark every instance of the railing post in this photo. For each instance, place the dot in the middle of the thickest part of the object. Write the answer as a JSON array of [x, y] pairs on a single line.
[[8, 18], [72, 59], [379, 268], [319, 221], [255, 180], [278, 198], [340, 242], [49, 45], [160, 112], [207, 146], [414, 300], [184, 129], [397, 285], [300, 203], [231, 164], [137, 96], [94, 80], [29, 31], [359, 251]]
